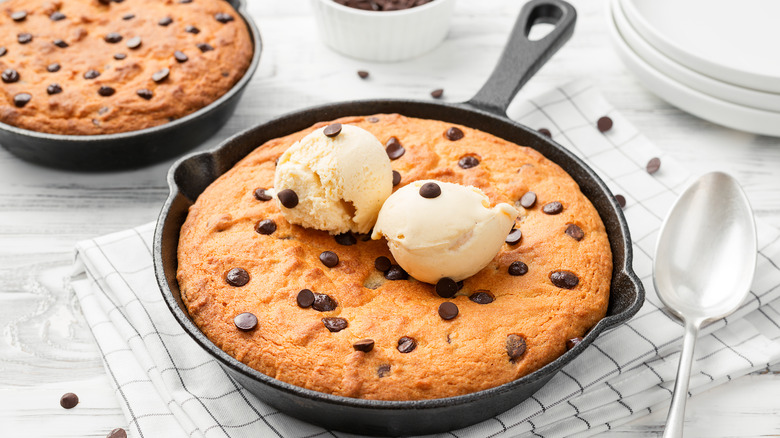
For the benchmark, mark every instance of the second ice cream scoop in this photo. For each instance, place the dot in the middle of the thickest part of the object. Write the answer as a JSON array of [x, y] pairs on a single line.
[[436, 229]]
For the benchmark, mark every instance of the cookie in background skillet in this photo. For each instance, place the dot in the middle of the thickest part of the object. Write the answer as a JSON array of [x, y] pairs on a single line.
[[88, 70]]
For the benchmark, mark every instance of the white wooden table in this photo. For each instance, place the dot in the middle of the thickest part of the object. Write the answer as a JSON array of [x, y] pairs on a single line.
[[45, 348]]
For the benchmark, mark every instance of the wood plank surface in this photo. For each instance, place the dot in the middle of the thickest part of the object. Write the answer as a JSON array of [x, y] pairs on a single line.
[[46, 349]]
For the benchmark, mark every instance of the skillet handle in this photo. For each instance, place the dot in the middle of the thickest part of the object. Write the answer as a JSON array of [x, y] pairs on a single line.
[[522, 58]]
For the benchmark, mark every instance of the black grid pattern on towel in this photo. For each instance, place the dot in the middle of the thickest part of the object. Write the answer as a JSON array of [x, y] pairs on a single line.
[[127, 293]]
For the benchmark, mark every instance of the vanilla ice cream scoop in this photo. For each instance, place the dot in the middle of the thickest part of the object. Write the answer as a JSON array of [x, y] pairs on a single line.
[[334, 182], [436, 229]]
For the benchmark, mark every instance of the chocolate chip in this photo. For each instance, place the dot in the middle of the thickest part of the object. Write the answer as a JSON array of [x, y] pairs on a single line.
[[305, 298], [621, 200], [323, 303], [515, 346], [571, 343], [396, 273], [69, 400], [192, 29], [104, 2], [57, 16], [265, 226], [332, 130], [604, 124], [106, 91], [468, 162], [396, 178], [288, 198], [245, 321], [161, 75], [653, 165], [54, 89], [117, 433], [446, 287], [481, 297], [53, 68], [120, 56], [394, 149], [24, 38], [514, 236], [61, 44], [363, 74], [144, 93], [19, 16], [382, 264], [22, 99], [345, 239], [448, 310], [554, 207], [364, 345], [370, 119], [223, 17], [528, 200], [185, 1], [517, 268], [128, 17], [460, 285], [564, 279], [575, 232], [165, 21], [545, 132], [454, 134], [406, 344], [10, 76], [335, 324], [437, 93], [383, 370], [3, 51], [133, 43], [91, 74], [430, 190], [237, 277], [204, 47], [225, 74], [261, 194], [180, 56], [112, 38], [329, 258]]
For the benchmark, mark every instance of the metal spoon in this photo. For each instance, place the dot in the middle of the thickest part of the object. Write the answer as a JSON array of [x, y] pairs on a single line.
[[704, 263]]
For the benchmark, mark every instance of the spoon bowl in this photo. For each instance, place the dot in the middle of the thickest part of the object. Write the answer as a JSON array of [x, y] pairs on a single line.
[[704, 264]]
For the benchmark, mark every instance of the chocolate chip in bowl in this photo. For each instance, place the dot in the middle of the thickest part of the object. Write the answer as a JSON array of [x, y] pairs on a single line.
[[399, 29], [336, 331], [134, 133]]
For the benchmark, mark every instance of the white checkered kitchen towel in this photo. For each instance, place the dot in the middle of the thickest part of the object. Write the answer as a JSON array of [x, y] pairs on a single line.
[[169, 387]]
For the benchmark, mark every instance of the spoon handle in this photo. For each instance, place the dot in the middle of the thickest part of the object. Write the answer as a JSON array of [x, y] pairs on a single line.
[[675, 420]]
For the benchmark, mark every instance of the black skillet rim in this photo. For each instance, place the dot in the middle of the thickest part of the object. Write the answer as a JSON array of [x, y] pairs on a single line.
[[257, 48], [553, 367]]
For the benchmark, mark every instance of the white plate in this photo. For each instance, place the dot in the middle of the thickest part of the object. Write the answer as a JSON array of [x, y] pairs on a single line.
[[687, 99], [705, 84], [732, 41]]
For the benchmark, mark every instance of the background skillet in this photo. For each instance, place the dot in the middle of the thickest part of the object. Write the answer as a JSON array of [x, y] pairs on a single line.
[[486, 111], [133, 148]]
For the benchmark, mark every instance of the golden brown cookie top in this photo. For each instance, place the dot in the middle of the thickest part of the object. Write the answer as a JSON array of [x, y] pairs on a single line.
[[337, 315], [87, 67]]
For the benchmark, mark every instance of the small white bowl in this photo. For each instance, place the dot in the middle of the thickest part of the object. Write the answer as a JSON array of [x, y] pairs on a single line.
[[383, 36]]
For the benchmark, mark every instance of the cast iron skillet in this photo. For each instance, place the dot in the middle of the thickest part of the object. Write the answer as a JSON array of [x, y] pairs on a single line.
[[134, 148], [486, 111]]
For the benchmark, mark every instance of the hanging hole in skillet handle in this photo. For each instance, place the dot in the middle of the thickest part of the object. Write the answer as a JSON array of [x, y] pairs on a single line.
[[523, 57]]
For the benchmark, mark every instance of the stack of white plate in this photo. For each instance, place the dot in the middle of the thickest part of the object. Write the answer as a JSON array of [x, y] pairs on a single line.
[[717, 59]]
